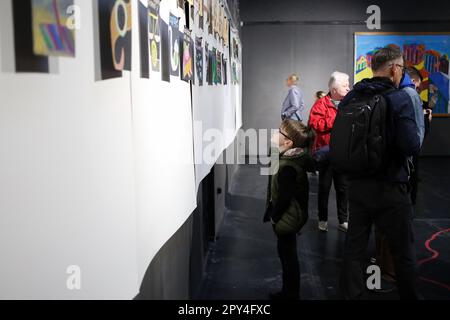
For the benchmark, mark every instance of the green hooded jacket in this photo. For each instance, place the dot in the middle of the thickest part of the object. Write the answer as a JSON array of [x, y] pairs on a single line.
[[296, 215]]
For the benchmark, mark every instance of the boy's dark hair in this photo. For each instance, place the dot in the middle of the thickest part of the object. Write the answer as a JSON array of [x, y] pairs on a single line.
[[414, 73], [382, 56]]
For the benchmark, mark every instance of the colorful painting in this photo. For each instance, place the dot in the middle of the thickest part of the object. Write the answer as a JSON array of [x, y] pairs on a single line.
[[115, 37], [25, 59], [199, 60], [120, 25], [188, 57], [429, 53], [154, 34], [53, 34], [174, 36]]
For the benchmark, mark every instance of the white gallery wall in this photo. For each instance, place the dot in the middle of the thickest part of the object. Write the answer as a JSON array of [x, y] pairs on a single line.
[[95, 174]]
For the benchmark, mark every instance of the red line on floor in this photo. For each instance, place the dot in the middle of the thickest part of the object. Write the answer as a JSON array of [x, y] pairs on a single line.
[[435, 255]]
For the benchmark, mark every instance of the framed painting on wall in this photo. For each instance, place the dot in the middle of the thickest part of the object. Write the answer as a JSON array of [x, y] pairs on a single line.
[[428, 52]]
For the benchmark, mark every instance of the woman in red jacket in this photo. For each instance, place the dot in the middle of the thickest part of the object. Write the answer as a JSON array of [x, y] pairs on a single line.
[[321, 119]]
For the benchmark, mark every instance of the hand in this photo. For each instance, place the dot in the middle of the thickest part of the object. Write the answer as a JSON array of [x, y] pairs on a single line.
[[429, 114]]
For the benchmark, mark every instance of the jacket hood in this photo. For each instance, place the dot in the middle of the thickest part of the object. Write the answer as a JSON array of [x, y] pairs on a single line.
[[301, 156], [375, 85], [407, 82]]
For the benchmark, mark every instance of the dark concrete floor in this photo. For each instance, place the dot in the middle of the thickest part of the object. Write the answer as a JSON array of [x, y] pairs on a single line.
[[243, 264]]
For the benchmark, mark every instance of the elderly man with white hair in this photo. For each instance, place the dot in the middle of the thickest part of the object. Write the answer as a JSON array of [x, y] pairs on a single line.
[[322, 117]]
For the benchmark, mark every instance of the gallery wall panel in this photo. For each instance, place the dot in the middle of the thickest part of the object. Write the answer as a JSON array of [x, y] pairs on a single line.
[[67, 179], [97, 165]]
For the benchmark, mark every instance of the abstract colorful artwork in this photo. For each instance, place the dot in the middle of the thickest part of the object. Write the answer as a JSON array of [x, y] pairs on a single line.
[[429, 53], [120, 26], [154, 34], [25, 59], [115, 37], [188, 57], [199, 60], [174, 37], [53, 34]]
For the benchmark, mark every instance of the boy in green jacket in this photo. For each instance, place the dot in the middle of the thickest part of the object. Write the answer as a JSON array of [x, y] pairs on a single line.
[[288, 199]]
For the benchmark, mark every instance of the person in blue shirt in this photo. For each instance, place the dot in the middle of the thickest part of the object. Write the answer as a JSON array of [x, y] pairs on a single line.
[[294, 104], [408, 86]]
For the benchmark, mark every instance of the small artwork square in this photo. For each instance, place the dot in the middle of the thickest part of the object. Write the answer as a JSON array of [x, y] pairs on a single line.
[[115, 25], [53, 29]]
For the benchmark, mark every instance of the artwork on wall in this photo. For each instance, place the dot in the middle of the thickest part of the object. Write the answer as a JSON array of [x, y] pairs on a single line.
[[208, 64], [115, 37], [174, 36], [165, 51], [143, 41], [25, 59], [211, 17], [188, 57], [234, 77], [200, 14], [220, 20], [235, 49], [214, 65], [428, 52], [154, 34], [192, 12], [51, 35], [219, 67], [199, 60], [224, 67]]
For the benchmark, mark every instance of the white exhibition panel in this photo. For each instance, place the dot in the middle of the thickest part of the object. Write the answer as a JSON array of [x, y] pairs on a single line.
[[163, 143], [217, 112], [97, 174], [67, 180]]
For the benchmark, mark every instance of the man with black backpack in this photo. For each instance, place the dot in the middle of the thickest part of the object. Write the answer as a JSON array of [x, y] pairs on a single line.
[[374, 135]]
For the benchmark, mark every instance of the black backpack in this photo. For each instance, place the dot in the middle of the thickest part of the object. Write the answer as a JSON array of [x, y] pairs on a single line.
[[358, 145]]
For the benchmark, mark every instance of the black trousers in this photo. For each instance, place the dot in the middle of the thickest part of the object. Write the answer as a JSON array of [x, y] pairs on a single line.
[[287, 252], [414, 180], [388, 206], [326, 177]]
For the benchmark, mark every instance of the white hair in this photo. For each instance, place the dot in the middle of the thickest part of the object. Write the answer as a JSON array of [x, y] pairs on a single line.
[[337, 77]]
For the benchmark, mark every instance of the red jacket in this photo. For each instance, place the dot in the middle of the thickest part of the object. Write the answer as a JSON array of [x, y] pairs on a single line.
[[321, 119]]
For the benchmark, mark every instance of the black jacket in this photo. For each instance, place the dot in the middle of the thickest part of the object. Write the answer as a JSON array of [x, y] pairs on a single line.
[[403, 140]]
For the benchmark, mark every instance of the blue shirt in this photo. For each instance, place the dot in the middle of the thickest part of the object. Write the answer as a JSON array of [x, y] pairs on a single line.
[[293, 105], [408, 86]]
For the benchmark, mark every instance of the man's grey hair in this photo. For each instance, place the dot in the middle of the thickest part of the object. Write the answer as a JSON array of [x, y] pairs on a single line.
[[337, 78], [385, 56]]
